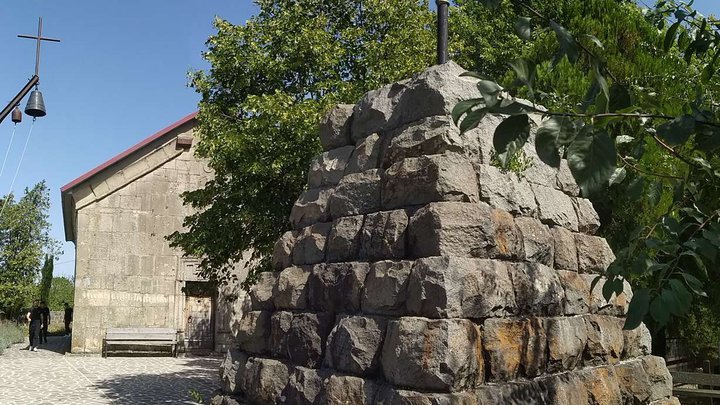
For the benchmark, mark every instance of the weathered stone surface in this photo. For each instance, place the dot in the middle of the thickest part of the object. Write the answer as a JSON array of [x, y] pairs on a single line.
[[602, 385], [350, 390], [465, 230], [311, 207], [633, 381], [428, 136], [305, 387], [366, 155], [514, 347], [566, 181], [337, 287], [424, 179], [505, 191], [438, 355], [389, 395], [555, 208], [232, 370], [566, 255], [567, 337], [383, 236], [666, 401], [538, 290], [375, 112], [515, 393], [637, 342], [357, 193], [261, 292], [290, 289], [310, 246], [354, 345], [265, 380], [307, 337], [452, 287], [618, 304], [282, 252], [594, 254], [344, 239], [588, 219], [385, 290], [605, 340], [254, 332], [335, 128], [537, 241], [328, 168], [563, 389], [280, 323], [578, 300], [659, 377]]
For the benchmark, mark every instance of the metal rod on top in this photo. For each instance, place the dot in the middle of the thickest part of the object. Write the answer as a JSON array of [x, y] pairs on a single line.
[[442, 30]]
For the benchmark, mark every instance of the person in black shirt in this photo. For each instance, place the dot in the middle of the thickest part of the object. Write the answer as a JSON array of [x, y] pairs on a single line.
[[45, 312], [68, 317], [34, 316]]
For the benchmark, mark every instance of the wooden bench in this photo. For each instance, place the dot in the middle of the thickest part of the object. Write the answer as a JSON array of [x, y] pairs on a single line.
[[146, 337], [685, 378]]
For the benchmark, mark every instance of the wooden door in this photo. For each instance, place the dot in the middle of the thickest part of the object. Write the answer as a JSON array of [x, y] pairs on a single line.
[[198, 323]]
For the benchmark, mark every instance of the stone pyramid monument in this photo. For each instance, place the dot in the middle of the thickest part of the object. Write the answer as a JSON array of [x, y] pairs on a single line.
[[419, 273]]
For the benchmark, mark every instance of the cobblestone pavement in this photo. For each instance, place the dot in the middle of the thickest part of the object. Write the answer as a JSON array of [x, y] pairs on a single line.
[[49, 377]]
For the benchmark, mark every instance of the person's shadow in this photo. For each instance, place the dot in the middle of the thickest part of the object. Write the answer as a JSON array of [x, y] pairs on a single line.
[[57, 344]]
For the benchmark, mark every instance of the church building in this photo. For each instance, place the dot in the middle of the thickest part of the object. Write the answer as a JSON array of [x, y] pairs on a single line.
[[126, 274]]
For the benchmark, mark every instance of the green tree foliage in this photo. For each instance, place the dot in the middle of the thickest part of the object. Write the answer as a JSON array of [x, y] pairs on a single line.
[[270, 82], [46, 277], [62, 290], [24, 242]]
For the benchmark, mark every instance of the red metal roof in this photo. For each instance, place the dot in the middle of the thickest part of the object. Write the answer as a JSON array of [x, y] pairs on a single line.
[[128, 152]]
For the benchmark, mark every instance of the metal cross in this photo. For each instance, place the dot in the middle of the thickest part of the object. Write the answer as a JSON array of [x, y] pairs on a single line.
[[38, 38]]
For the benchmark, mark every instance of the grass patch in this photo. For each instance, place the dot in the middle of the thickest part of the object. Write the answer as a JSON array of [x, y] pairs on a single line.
[[10, 333]]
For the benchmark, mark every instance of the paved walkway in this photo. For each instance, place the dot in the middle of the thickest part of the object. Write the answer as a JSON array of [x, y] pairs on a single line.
[[49, 377]]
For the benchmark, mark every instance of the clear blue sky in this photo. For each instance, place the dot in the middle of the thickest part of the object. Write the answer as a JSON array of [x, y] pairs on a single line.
[[119, 75]]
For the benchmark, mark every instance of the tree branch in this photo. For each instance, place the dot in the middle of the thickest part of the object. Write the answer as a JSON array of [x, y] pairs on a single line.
[[639, 170]]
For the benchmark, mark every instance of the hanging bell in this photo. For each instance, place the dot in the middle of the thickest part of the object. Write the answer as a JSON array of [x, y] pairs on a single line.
[[35, 106], [16, 115]]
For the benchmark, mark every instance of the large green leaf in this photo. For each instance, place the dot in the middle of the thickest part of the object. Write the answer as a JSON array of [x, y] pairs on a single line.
[[639, 306], [553, 133], [591, 157], [525, 71], [510, 136], [677, 131], [523, 29], [660, 308], [670, 36], [489, 91], [707, 137], [568, 45], [618, 176], [472, 119], [491, 4], [463, 107]]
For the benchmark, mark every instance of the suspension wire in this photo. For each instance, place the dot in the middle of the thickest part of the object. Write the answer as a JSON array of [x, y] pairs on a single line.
[[17, 170], [7, 152]]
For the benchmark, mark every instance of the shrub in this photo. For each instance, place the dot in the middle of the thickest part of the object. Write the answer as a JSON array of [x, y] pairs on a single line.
[[10, 333]]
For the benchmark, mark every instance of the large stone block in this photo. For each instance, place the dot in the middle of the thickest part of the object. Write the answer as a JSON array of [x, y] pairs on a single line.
[[388, 395], [335, 128], [578, 300], [566, 181], [602, 386], [537, 241], [519, 392], [328, 168], [465, 230], [594, 254], [383, 236], [350, 390], [567, 338], [605, 339], [310, 246], [265, 380], [514, 347], [337, 287], [311, 207], [440, 355], [425, 179], [305, 387], [633, 381], [563, 389], [637, 342], [357, 193], [261, 293], [366, 155], [291, 288], [307, 337], [428, 136], [254, 332], [343, 242], [375, 112], [555, 208], [588, 219], [659, 377], [385, 290], [618, 304], [354, 345], [538, 290], [505, 191], [565, 251], [232, 370], [280, 323], [282, 252], [451, 287]]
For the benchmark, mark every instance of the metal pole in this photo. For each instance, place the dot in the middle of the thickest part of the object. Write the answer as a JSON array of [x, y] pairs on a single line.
[[16, 100], [37, 48], [442, 30]]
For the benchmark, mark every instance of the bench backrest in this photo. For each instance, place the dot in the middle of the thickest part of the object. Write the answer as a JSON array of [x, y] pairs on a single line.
[[683, 377], [156, 334]]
